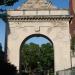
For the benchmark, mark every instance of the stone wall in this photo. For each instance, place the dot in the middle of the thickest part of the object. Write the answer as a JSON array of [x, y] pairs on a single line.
[[55, 29]]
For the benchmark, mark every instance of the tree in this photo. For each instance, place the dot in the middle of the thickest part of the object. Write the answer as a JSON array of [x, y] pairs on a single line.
[[29, 56], [0, 47], [5, 67], [3, 13], [47, 55], [47, 58], [73, 43], [7, 2], [1, 53], [37, 58]]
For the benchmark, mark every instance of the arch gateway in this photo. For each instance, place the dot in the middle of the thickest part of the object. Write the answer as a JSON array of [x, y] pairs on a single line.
[[40, 17]]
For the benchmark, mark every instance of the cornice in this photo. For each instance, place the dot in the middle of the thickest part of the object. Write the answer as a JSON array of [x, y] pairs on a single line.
[[38, 18]]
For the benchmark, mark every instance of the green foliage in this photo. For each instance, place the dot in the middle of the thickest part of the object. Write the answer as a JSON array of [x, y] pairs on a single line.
[[47, 56], [30, 54], [3, 16], [10, 2], [1, 2], [7, 2], [0, 47], [5, 67], [73, 43], [39, 58]]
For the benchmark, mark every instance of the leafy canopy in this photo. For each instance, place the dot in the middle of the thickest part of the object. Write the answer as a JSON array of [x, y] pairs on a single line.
[[37, 57], [7, 2], [0, 47]]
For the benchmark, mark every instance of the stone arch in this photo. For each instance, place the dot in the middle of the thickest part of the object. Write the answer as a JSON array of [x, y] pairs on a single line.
[[54, 27], [32, 35], [35, 35]]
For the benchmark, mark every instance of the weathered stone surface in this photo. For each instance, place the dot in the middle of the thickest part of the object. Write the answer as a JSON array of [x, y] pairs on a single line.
[[37, 5], [37, 12], [57, 31], [53, 24]]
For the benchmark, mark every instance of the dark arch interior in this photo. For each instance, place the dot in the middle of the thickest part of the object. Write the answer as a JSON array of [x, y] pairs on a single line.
[[24, 41]]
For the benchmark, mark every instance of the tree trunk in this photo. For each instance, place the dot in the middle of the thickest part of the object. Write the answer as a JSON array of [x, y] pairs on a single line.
[[47, 72]]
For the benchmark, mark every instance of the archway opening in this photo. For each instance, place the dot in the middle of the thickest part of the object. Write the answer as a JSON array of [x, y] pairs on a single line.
[[37, 56]]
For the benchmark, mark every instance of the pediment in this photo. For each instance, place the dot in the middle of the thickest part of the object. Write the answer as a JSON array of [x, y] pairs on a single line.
[[37, 5]]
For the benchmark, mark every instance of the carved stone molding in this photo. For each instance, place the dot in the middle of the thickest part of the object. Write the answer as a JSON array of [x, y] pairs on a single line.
[[37, 18], [37, 5]]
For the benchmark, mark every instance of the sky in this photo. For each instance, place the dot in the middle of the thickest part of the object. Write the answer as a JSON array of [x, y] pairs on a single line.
[[57, 3], [41, 40], [62, 4], [2, 32]]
